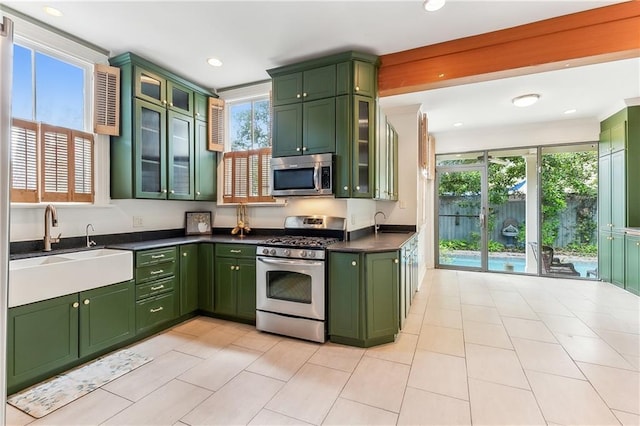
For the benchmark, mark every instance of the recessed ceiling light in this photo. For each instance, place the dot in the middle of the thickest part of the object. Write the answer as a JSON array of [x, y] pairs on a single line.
[[214, 62], [52, 11], [458, 124], [433, 5], [441, 75], [525, 100], [570, 111]]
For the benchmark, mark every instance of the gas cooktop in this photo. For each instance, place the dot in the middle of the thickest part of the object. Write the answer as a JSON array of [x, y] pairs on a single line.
[[299, 241]]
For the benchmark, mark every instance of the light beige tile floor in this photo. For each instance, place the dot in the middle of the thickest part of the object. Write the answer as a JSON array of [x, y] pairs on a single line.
[[480, 349]]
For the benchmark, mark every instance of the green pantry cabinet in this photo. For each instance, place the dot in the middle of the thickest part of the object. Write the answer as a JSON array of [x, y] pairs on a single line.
[[632, 262], [363, 297], [618, 199], [46, 337], [161, 151], [327, 105]]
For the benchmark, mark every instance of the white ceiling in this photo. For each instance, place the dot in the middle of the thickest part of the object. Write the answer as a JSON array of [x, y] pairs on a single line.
[[251, 37]]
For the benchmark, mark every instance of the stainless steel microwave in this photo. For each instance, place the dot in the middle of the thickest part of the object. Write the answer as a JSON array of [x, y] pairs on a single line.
[[302, 175]]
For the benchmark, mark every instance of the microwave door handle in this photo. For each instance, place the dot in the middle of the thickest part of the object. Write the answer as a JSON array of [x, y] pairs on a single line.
[[316, 176]]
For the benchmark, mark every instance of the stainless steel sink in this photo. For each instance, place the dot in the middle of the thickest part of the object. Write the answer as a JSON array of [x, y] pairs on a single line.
[[45, 277]]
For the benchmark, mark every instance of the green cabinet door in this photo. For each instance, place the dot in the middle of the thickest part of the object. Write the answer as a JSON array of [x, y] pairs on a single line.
[[201, 107], [617, 258], [604, 192], [246, 288], [107, 317], [619, 136], [150, 160], [287, 89], [188, 278], [343, 159], [363, 148], [205, 277], [224, 295], [149, 86], [287, 130], [632, 264], [180, 98], [319, 83], [364, 79], [382, 294], [205, 165], [345, 303], [41, 337], [180, 136], [604, 256], [618, 190], [319, 126]]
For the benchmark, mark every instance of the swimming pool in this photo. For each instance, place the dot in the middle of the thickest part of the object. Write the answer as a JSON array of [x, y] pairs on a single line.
[[497, 263]]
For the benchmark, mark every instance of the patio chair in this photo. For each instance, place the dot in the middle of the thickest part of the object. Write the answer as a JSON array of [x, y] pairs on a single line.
[[551, 265]]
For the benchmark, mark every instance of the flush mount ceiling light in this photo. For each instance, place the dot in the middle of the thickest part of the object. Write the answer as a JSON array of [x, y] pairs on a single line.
[[525, 100], [52, 11], [570, 111], [214, 62], [433, 5]]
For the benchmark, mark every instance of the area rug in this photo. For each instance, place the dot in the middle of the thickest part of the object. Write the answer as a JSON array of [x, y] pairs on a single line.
[[45, 397]]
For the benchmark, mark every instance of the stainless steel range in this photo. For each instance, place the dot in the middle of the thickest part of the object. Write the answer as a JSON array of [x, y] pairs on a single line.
[[290, 277]]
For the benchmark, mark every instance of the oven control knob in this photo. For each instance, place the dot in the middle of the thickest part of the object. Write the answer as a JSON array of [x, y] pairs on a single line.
[[265, 251], [287, 252], [312, 254], [272, 252], [303, 253]]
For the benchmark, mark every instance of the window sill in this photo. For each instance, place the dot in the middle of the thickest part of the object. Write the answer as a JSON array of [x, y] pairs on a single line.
[[61, 205]]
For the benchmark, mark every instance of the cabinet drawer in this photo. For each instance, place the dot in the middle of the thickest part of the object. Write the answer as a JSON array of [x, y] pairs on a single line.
[[154, 272], [155, 287], [153, 257], [155, 311], [235, 250]]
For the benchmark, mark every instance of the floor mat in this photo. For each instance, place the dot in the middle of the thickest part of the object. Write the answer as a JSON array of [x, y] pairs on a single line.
[[45, 397]]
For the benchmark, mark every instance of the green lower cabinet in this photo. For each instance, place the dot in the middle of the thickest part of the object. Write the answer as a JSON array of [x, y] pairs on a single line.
[[42, 338], [107, 317], [206, 277], [604, 256], [617, 259], [363, 298], [189, 275], [632, 264], [155, 311], [45, 338], [234, 294]]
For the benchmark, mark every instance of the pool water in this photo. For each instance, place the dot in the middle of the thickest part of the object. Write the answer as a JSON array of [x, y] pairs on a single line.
[[497, 263]]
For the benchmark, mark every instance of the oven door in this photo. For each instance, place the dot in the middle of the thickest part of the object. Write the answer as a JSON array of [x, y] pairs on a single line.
[[290, 286]]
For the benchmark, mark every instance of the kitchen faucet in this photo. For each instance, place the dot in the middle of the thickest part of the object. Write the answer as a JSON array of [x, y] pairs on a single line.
[[86, 233], [376, 227], [50, 219]]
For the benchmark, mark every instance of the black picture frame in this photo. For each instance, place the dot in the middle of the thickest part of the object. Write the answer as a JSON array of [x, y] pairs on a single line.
[[197, 223]]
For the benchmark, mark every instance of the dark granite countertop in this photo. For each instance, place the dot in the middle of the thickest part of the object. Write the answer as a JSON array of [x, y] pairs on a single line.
[[166, 242], [383, 241]]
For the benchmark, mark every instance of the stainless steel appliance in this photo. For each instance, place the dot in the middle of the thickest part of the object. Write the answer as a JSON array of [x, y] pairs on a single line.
[[302, 175], [291, 288]]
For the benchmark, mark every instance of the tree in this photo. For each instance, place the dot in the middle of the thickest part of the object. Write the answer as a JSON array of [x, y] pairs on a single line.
[[250, 125]]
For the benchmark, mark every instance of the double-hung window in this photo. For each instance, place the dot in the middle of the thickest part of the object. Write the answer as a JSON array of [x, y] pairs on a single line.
[[247, 160], [52, 150]]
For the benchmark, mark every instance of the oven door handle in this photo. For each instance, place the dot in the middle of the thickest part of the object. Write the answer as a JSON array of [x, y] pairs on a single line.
[[289, 262]]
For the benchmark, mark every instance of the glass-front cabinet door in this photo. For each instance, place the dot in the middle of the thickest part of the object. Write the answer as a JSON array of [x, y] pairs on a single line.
[[150, 87], [181, 177], [363, 148], [179, 98], [150, 148]]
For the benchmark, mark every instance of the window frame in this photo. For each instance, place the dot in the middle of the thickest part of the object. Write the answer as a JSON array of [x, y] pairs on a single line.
[[260, 91]]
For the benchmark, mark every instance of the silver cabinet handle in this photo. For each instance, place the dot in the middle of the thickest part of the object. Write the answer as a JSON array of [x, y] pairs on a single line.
[[164, 101], [197, 192], [298, 149], [184, 254], [305, 94], [357, 188], [395, 261], [154, 310], [346, 188], [235, 251], [298, 95], [353, 263], [357, 88], [159, 271], [164, 191], [75, 304], [157, 256], [233, 267], [173, 192], [86, 301], [160, 287], [170, 104], [304, 148]]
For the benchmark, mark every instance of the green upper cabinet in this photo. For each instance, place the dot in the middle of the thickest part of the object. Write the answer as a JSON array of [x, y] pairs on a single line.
[[309, 85], [161, 152], [355, 147], [306, 113]]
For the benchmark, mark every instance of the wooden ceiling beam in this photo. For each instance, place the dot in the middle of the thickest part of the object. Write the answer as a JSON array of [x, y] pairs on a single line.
[[593, 36]]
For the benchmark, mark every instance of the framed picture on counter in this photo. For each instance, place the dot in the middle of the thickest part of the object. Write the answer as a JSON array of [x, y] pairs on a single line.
[[198, 223]]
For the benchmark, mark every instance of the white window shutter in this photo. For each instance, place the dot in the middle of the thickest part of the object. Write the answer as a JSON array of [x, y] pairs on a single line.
[[24, 161]]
